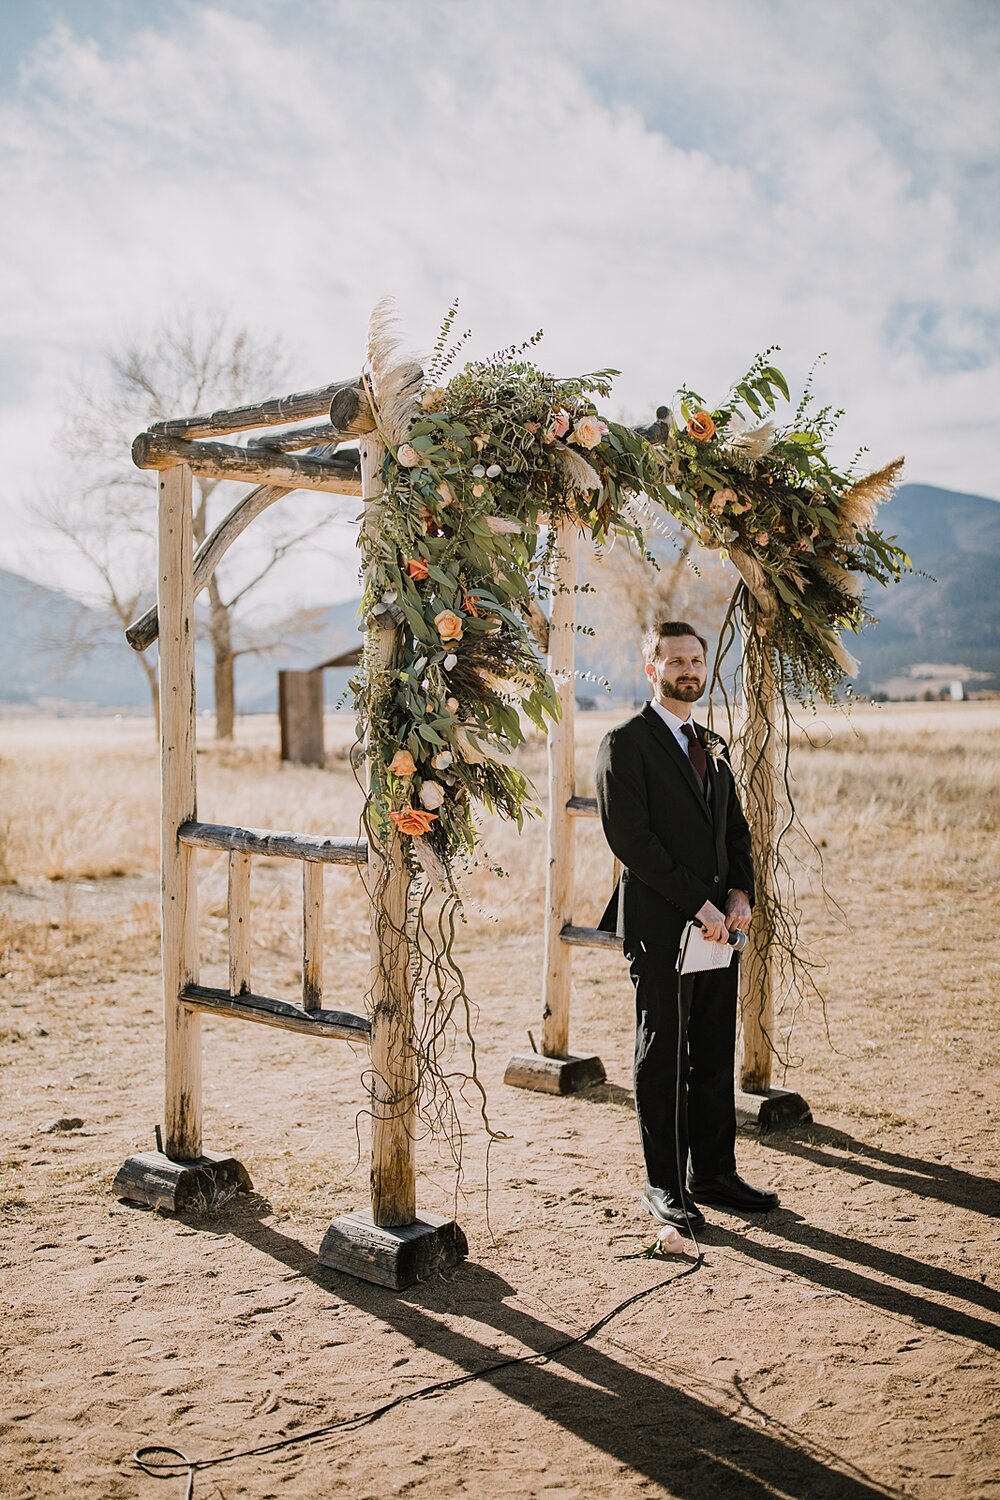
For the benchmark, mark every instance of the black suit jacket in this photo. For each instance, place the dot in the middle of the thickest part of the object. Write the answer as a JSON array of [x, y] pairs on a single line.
[[679, 846]]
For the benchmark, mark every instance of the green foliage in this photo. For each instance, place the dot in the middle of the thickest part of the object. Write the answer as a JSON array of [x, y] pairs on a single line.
[[461, 543]]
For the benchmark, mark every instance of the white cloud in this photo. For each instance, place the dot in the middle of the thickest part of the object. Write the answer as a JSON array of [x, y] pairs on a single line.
[[665, 189]]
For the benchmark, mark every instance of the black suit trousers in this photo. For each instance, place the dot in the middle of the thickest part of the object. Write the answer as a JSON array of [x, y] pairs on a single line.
[[707, 1105]]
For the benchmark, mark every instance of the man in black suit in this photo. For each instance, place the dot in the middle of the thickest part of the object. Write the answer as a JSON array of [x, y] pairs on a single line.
[[671, 814]]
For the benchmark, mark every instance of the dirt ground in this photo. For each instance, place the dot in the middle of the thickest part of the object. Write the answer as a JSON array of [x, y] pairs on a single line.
[[844, 1346]]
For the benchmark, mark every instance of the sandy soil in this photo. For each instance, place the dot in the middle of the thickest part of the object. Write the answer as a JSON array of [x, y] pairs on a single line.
[[844, 1346]]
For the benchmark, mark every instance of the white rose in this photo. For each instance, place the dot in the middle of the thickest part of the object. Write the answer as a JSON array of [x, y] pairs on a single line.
[[431, 795], [408, 456], [442, 760], [588, 432]]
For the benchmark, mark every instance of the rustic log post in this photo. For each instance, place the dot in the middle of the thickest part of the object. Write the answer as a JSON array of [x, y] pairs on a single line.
[[312, 936], [557, 976], [239, 922], [391, 1243], [175, 603], [556, 1070], [758, 1105], [757, 999], [393, 1170], [182, 1175]]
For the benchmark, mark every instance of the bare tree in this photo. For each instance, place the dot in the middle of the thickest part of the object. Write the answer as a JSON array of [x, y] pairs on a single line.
[[193, 363], [685, 582]]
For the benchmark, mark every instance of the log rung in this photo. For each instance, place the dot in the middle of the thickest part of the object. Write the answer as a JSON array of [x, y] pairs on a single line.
[[582, 807], [341, 1025], [265, 841], [589, 937]]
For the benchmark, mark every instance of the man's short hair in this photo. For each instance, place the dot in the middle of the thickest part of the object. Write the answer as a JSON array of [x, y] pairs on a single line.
[[656, 633]]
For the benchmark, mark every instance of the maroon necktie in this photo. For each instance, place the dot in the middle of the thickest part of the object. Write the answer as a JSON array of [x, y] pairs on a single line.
[[696, 750]]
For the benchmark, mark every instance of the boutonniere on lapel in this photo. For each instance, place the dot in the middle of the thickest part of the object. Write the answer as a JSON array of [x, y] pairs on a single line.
[[715, 746]]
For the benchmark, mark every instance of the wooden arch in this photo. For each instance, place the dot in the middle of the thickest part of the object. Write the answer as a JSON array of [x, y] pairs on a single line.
[[390, 1243]]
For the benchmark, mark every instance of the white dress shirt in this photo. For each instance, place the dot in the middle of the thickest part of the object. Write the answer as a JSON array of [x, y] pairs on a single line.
[[675, 725]]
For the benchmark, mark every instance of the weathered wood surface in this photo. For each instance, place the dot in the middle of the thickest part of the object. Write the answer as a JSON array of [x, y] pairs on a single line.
[[589, 937], [337, 474], [393, 1056], [582, 807], [557, 973], [394, 1257], [338, 1025], [295, 408], [312, 936], [268, 843], [296, 438], [178, 805], [170, 1186], [351, 412], [300, 717], [238, 907], [771, 1111], [553, 1075]]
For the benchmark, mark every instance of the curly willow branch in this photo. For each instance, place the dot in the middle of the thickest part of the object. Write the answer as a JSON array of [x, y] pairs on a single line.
[[779, 969]]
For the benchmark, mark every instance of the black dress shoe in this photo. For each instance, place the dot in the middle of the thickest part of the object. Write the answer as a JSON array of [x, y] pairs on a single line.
[[731, 1191], [669, 1208]]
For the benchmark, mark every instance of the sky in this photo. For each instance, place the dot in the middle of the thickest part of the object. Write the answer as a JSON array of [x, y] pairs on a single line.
[[665, 188]]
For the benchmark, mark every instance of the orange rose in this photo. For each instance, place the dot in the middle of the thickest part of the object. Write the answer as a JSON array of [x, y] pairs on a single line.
[[417, 567], [402, 763], [701, 427], [414, 821], [448, 625]]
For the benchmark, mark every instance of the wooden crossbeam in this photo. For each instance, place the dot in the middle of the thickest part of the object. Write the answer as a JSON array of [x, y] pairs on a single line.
[[582, 807], [339, 474], [294, 408], [589, 937], [297, 437], [264, 842], [339, 1025]]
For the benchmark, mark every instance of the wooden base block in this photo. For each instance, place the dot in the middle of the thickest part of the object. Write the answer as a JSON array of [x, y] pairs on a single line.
[[397, 1257], [553, 1075], [770, 1111], [175, 1186]]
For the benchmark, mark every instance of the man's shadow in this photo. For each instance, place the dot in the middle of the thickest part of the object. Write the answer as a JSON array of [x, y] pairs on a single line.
[[651, 1426]]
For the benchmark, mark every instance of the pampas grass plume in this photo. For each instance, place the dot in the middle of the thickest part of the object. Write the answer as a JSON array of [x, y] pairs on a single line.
[[858, 505]]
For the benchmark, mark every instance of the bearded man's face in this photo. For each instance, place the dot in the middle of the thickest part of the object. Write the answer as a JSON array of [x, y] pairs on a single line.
[[679, 671]]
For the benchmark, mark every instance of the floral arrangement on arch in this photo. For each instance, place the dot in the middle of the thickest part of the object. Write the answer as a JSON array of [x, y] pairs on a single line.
[[479, 472]]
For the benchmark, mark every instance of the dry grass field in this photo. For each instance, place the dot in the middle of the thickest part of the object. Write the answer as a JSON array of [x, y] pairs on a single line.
[[845, 1346]]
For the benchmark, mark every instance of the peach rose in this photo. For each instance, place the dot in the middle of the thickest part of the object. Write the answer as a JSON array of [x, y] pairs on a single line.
[[408, 456], [701, 427], [558, 425], [588, 432], [762, 539], [448, 625], [402, 763], [417, 567], [721, 499], [431, 794], [415, 821]]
